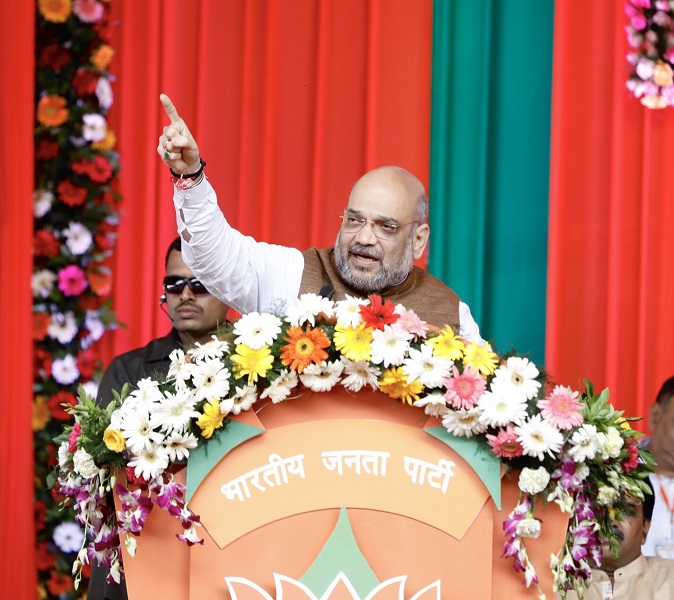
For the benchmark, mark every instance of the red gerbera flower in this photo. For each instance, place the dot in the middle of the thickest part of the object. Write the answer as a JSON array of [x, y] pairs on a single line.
[[87, 363], [71, 194], [45, 243], [54, 403], [378, 314]]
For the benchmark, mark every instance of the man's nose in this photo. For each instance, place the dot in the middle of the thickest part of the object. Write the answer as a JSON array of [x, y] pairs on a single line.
[[366, 235]]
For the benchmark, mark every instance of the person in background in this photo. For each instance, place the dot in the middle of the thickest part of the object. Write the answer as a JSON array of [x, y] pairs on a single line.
[[384, 229], [629, 575], [195, 315], [660, 539]]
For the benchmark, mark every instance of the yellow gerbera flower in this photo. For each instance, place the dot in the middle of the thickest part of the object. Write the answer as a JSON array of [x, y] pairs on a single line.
[[254, 363], [211, 419], [394, 383], [447, 345], [353, 342], [481, 358], [102, 56]]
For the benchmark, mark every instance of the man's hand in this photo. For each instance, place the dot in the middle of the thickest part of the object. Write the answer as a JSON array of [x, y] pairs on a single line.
[[177, 147]]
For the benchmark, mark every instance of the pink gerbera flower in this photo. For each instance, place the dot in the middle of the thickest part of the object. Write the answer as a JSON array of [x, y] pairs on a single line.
[[561, 408], [409, 322], [464, 389], [72, 280], [504, 444], [88, 11]]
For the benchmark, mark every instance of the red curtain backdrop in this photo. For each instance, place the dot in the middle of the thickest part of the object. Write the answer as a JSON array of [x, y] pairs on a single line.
[[17, 542], [290, 100], [611, 249]]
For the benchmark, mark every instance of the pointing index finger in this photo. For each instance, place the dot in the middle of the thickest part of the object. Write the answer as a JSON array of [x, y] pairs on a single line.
[[170, 109]]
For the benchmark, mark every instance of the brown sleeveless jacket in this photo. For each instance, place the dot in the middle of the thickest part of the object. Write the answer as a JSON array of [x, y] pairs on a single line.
[[427, 296]]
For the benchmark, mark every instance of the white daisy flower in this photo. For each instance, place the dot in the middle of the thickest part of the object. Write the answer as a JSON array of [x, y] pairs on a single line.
[[348, 311], [389, 346], [68, 536], [117, 418], [517, 377], [84, 464], [178, 445], [64, 370], [94, 127], [180, 370], [90, 387], [150, 462], [463, 423], [610, 443], [533, 481], [104, 93], [147, 393], [78, 238], [307, 308], [359, 374], [428, 369], [323, 377], [537, 437], [42, 201], [42, 283], [62, 327], [94, 325], [175, 411], [213, 349], [243, 399], [500, 408], [138, 428], [434, 404], [257, 330], [279, 389], [211, 380], [584, 443]]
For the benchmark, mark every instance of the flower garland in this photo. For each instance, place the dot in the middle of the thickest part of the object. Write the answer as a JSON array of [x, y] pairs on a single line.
[[651, 33], [571, 449], [75, 212]]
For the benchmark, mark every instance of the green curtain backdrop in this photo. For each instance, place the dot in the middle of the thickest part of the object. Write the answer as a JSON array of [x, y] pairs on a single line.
[[489, 174]]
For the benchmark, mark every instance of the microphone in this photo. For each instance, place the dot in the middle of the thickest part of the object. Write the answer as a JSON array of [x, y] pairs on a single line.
[[327, 291], [162, 299]]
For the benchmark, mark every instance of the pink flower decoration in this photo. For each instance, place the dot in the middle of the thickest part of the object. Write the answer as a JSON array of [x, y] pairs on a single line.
[[464, 389], [72, 280], [88, 11], [504, 444], [75, 433], [409, 322], [561, 408]]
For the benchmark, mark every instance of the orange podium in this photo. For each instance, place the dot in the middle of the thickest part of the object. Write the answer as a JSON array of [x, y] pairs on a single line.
[[338, 496]]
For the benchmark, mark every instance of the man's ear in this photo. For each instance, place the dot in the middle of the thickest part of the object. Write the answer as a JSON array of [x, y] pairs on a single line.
[[647, 526], [420, 240], [654, 415]]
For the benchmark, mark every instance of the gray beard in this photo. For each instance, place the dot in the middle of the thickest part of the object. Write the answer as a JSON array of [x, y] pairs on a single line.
[[387, 277]]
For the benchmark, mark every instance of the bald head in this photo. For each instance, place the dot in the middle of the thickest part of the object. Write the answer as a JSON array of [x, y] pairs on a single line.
[[394, 188]]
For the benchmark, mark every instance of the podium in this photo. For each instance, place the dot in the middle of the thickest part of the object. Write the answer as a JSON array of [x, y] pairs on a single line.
[[339, 496]]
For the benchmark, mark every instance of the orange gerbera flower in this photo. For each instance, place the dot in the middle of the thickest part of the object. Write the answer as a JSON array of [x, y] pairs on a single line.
[[40, 325], [304, 348], [55, 11], [102, 56], [52, 111]]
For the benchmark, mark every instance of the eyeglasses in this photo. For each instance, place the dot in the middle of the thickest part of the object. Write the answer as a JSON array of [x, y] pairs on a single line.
[[384, 229], [174, 284]]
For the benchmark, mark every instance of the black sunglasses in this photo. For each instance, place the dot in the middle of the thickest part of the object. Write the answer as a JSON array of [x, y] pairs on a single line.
[[174, 284]]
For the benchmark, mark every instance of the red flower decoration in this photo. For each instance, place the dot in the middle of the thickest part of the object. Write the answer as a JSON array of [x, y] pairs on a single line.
[[100, 280], [632, 460], [84, 82], [54, 57], [98, 168], [42, 363], [46, 149], [40, 324], [73, 437], [71, 194], [54, 403], [378, 314], [39, 512], [88, 363], [45, 244], [44, 559], [60, 584]]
